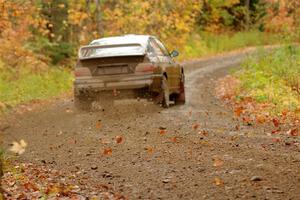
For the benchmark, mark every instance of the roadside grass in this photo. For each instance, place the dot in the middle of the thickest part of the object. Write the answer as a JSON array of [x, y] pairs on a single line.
[[272, 77], [28, 86], [203, 43]]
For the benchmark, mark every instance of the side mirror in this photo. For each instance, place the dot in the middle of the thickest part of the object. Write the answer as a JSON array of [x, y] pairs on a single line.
[[174, 53]]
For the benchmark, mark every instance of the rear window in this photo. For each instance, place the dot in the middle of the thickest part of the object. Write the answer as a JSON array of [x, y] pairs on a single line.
[[101, 51]]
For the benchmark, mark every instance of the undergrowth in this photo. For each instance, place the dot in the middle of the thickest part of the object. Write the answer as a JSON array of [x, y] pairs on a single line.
[[203, 43], [273, 77], [21, 86]]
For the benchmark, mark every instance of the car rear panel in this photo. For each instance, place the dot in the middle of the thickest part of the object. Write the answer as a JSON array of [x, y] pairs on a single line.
[[112, 65], [110, 73]]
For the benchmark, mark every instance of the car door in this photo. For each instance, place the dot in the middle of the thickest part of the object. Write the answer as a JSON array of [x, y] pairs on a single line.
[[171, 68]]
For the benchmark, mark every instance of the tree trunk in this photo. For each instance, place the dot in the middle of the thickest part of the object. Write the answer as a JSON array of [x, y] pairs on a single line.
[[88, 7], [247, 5], [98, 18]]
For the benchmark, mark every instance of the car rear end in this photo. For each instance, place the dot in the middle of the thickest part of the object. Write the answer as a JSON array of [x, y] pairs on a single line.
[[113, 67]]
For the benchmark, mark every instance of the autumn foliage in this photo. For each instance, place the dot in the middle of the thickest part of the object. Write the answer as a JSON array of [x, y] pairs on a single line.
[[37, 36], [34, 32]]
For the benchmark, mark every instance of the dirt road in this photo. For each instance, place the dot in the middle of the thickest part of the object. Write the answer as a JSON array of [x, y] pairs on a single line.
[[195, 151]]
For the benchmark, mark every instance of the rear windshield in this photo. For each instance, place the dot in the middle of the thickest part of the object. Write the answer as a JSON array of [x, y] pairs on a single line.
[[101, 51]]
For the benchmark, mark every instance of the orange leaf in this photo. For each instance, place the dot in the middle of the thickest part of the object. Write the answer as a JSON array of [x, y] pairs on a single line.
[[284, 113], [30, 186], [275, 122], [119, 139], [107, 151], [195, 126], [150, 150], [73, 141], [275, 131], [98, 124], [174, 139], [162, 132], [247, 120], [203, 132], [293, 132], [218, 181], [276, 139], [238, 111], [218, 162], [260, 119]]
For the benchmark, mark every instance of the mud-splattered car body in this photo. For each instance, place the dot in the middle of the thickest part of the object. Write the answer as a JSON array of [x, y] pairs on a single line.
[[128, 62]]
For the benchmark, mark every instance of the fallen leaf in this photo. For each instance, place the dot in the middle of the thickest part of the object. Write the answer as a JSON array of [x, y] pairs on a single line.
[[233, 138], [73, 141], [275, 131], [237, 127], [218, 181], [107, 151], [203, 132], [256, 178], [275, 122], [174, 139], [195, 126], [18, 147], [238, 111], [293, 132], [59, 133], [98, 124], [260, 119], [68, 110], [218, 162], [30, 186], [276, 139], [119, 139], [247, 121], [150, 150], [162, 132], [205, 143], [284, 113]]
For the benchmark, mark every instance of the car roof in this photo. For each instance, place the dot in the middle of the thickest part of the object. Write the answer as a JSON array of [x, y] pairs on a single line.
[[125, 39]]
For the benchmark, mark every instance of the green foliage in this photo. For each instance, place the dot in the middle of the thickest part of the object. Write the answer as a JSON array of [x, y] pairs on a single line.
[[56, 51], [273, 77], [206, 43], [30, 86]]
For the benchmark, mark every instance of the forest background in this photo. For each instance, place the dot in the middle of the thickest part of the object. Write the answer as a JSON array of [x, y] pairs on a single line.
[[40, 39]]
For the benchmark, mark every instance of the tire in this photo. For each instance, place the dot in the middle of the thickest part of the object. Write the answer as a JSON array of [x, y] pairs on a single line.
[[165, 92], [180, 99]]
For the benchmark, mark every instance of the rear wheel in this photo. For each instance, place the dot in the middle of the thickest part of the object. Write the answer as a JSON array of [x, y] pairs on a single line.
[[165, 92], [180, 99]]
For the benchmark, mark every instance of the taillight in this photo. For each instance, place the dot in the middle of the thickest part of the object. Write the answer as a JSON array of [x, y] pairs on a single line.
[[81, 71], [145, 68]]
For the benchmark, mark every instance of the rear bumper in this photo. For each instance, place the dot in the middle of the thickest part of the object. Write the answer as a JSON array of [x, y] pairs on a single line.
[[114, 82]]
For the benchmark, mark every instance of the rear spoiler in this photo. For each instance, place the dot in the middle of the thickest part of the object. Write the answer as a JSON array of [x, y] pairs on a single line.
[[90, 51]]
